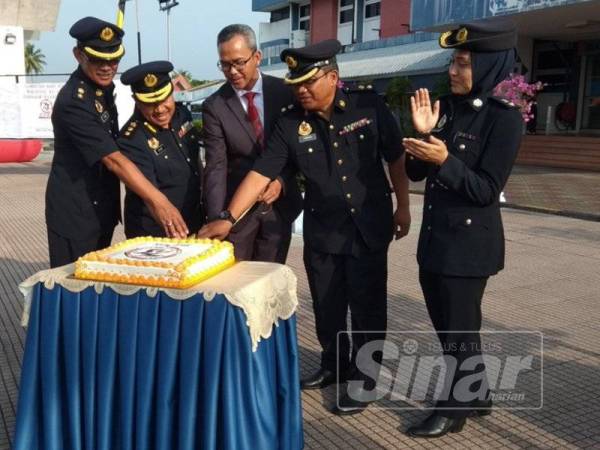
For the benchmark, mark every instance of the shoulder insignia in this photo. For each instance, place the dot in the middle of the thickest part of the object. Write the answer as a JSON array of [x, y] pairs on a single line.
[[130, 129], [504, 102], [80, 93]]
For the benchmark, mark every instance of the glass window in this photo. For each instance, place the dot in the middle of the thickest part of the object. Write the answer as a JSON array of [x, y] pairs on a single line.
[[346, 11], [346, 16], [591, 101], [304, 11], [372, 10]]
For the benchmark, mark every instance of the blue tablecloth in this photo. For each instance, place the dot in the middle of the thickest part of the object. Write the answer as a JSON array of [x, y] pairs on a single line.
[[110, 371]]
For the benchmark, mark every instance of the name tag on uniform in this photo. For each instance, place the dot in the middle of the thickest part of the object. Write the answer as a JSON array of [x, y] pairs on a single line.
[[307, 138], [159, 150]]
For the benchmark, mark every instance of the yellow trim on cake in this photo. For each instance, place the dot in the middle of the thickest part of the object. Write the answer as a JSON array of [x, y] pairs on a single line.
[[177, 276]]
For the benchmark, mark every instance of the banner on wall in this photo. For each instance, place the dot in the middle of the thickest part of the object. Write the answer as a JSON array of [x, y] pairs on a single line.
[[26, 108]]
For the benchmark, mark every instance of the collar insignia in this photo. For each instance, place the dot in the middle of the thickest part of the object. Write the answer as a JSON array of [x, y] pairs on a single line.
[[99, 106]]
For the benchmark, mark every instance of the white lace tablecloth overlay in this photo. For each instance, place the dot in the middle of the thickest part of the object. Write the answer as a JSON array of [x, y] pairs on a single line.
[[266, 292]]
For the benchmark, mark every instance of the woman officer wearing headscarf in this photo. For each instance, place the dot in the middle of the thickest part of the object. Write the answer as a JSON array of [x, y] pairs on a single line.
[[469, 142]]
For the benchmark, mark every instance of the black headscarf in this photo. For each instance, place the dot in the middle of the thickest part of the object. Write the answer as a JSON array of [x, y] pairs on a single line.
[[489, 69]]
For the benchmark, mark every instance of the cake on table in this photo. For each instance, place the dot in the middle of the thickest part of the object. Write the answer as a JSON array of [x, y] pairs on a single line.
[[161, 262]]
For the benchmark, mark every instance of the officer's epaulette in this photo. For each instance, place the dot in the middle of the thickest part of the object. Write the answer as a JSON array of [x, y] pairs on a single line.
[[129, 129], [80, 91], [290, 107], [359, 87], [504, 102]]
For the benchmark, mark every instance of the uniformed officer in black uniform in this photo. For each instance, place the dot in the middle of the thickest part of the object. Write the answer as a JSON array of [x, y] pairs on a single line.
[[469, 144], [337, 138], [82, 196], [161, 140]]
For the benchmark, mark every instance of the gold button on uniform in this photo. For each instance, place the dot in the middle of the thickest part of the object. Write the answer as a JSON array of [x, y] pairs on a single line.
[[310, 150], [468, 222], [461, 147], [352, 210], [344, 178], [335, 144], [348, 195], [340, 162], [361, 137], [331, 127]]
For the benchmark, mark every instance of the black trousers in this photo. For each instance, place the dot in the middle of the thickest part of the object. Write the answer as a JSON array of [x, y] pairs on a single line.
[[63, 250], [454, 306], [261, 236], [339, 283]]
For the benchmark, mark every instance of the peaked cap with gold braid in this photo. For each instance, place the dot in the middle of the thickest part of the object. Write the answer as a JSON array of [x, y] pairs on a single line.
[[487, 36], [305, 62], [150, 82], [98, 39]]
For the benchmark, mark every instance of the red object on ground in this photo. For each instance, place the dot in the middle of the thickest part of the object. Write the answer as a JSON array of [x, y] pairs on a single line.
[[19, 150]]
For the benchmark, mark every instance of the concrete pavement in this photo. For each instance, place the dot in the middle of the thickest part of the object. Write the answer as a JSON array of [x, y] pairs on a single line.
[[551, 284]]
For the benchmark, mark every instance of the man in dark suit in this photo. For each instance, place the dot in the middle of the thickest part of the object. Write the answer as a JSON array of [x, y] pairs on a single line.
[[237, 121], [82, 196]]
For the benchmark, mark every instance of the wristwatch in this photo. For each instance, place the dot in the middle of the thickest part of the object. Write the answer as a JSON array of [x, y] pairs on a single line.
[[226, 215]]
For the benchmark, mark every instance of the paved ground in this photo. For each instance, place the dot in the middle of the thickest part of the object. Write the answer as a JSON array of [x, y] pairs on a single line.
[[551, 285]]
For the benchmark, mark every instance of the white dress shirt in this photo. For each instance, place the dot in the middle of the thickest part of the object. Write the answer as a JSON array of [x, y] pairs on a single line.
[[259, 99]]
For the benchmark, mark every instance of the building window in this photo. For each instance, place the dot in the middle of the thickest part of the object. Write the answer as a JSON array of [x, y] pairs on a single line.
[[304, 17], [280, 14], [372, 8], [591, 100], [346, 11]]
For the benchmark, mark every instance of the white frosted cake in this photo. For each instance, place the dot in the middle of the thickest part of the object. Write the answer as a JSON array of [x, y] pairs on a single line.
[[161, 262]]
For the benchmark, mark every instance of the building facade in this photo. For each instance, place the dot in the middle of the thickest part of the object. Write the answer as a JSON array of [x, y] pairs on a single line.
[[559, 44], [377, 43]]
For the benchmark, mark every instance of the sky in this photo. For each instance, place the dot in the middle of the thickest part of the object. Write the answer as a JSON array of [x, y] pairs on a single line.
[[194, 28]]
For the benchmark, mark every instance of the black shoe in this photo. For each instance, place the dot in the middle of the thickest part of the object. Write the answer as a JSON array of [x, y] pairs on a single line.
[[436, 426], [482, 408], [347, 406], [318, 380]]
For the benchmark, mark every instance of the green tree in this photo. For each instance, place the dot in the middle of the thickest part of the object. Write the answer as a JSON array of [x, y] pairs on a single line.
[[34, 59], [193, 81], [398, 95]]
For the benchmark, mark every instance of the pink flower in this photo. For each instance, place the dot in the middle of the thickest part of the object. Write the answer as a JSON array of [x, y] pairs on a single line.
[[518, 91]]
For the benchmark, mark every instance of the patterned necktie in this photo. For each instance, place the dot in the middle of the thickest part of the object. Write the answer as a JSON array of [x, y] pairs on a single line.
[[254, 117]]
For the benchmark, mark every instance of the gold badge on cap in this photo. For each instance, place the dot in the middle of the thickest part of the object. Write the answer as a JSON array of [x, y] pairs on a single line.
[[291, 62], [99, 106], [150, 80], [153, 143], [304, 129], [461, 35], [107, 34]]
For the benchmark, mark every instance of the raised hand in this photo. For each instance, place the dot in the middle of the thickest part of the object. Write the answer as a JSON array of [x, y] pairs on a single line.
[[424, 117]]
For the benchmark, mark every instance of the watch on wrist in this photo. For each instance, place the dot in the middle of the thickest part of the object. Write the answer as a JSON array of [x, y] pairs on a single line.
[[226, 215]]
